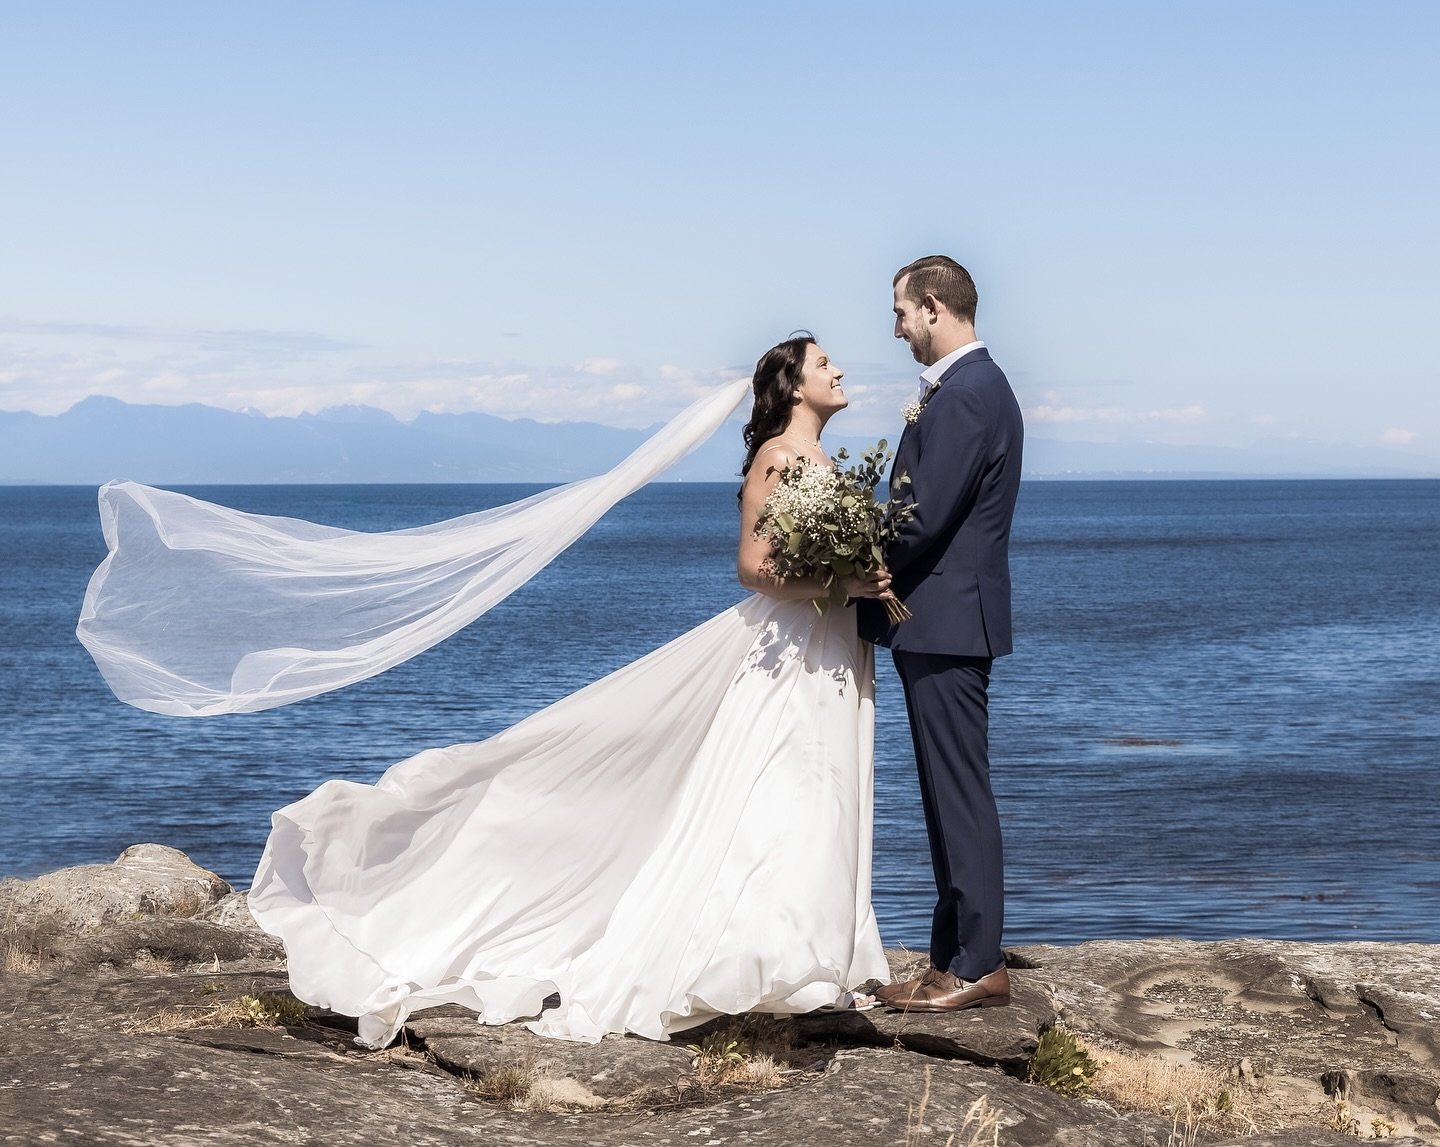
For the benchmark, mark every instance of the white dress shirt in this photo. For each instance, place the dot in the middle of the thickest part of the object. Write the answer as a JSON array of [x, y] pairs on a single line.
[[933, 372]]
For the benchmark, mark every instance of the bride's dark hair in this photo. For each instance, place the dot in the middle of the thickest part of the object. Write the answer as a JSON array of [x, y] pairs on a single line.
[[777, 377]]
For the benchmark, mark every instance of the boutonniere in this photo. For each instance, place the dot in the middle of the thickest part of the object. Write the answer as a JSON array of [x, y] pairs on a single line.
[[911, 410]]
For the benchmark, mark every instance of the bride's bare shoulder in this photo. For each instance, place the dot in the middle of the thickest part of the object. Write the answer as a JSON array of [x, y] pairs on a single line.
[[772, 457], [776, 453]]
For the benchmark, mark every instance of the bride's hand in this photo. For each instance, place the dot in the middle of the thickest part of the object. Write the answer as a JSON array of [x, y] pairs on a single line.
[[872, 585]]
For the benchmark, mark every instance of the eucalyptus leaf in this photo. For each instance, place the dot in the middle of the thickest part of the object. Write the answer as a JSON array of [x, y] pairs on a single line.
[[832, 526]]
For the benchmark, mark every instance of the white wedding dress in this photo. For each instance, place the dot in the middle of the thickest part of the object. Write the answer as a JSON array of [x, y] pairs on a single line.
[[686, 837], [689, 836]]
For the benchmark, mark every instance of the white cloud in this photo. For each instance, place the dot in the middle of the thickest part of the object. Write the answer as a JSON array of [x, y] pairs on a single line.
[[598, 366], [1046, 412], [47, 367], [268, 345], [630, 397], [167, 382]]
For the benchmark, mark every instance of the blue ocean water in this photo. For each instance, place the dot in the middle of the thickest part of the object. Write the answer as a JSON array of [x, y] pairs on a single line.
[[1222, 718]]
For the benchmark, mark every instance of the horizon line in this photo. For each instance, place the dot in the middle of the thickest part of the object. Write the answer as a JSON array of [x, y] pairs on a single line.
[[1126, 476]]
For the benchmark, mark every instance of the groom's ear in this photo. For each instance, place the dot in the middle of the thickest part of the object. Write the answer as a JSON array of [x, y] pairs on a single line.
[[932, 306]]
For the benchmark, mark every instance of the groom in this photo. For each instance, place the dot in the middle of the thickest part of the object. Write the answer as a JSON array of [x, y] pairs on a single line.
[[961, 452]]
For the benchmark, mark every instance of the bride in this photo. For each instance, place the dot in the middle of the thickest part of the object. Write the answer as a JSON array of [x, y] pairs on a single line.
[[687, 837]]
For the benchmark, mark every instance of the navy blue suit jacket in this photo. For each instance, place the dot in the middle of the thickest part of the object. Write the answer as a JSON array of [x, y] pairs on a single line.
[[951, 563]]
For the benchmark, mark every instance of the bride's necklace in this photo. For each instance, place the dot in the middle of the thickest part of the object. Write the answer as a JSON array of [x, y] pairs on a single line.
[[798, 438]]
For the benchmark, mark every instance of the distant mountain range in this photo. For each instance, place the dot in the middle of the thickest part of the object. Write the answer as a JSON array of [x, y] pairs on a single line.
[[104, 438]]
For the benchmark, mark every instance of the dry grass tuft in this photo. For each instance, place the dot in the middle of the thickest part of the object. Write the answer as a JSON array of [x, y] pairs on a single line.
[[266, 1010], [915, 1116], [31, 933], [748, 1051], [508, 1085], [18, 959], [729, 1059], [721, 1055], [522, 1087], [912, 965], [1198, 1099], [146, 961], [979, 1128], [753, 1072], [760, 1072], [548, 1093], [184, 1017]]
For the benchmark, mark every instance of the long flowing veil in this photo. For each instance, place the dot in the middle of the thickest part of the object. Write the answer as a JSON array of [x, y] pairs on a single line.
[[199, 610]]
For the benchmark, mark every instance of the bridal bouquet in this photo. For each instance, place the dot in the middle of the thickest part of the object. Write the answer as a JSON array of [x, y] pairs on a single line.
[[827, 524]]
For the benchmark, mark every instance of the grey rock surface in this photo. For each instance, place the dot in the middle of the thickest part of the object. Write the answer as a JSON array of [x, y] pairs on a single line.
[[608, 1070], [1001, 1037], [144, 880], [135, 1029], [1360, 1020], [1307, 1137], [177, 938], [70, 1062], [232, 911]]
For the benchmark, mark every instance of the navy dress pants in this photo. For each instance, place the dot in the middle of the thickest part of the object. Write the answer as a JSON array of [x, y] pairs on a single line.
[[947, 699]]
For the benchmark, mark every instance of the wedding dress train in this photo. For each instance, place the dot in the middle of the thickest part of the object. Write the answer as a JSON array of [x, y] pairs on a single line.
[[689, 836], [685, 837]]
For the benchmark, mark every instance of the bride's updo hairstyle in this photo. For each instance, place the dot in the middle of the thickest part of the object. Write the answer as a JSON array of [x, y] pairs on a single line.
[[777, 378]]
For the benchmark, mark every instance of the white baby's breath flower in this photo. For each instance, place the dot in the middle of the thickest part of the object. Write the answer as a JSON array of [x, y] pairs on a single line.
[[911, 410], [809, 496], [825, 523]]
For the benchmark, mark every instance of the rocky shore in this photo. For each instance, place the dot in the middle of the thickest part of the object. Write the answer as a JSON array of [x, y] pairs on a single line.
[[141, 1005]]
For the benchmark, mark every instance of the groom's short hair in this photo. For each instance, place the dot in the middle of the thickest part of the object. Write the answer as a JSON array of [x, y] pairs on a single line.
[[941, 276]]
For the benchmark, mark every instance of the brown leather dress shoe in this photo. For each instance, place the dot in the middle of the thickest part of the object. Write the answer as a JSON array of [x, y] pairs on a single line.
[[888, 993], [948, 993]]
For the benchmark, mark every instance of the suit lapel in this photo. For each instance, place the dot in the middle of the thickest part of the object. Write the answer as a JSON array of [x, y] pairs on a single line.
[[901, 463], [979, 354]]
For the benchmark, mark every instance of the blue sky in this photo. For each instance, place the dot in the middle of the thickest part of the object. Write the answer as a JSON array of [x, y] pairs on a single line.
[[1190, 223]]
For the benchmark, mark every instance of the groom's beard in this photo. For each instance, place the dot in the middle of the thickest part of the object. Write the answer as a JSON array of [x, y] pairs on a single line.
[[920, 343]]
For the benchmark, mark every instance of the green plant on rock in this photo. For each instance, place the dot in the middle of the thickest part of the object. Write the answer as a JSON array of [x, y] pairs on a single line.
[[718, 1050], [270, 1009], [723, 1057], [1060, 1063]]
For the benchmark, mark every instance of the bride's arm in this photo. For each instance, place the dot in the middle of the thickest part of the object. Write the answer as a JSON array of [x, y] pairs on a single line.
[[750, 561]]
